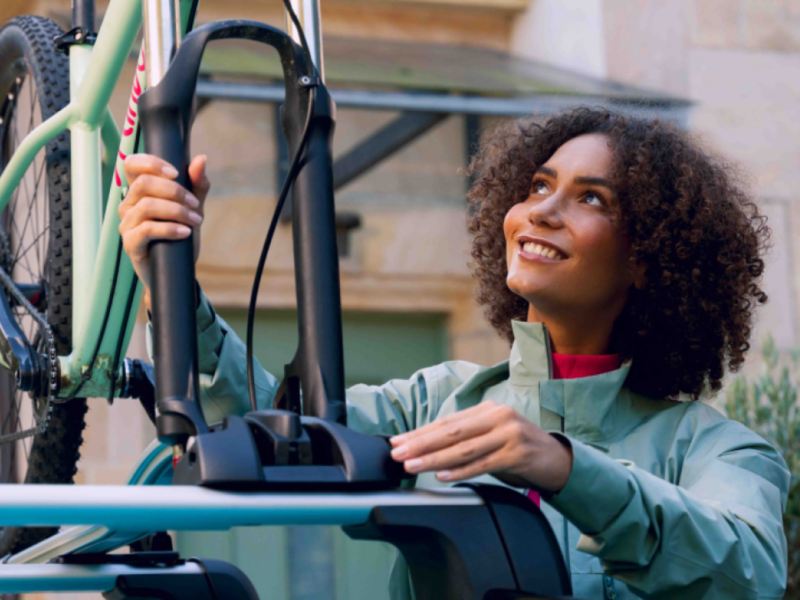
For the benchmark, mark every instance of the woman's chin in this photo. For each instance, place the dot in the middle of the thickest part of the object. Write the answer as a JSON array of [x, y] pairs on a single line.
[[531, 291]]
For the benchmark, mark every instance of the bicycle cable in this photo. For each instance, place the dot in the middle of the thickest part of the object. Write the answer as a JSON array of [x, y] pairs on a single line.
[[301, 34], [294, 170]]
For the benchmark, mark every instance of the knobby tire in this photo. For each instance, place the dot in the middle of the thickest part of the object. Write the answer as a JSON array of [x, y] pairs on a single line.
[[27, 50]]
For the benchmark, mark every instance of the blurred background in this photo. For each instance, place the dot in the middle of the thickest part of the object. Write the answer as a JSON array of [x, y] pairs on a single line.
[[416, 82]]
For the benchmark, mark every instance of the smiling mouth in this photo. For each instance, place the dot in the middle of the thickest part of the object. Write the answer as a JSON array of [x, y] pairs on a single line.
[[541, 250]]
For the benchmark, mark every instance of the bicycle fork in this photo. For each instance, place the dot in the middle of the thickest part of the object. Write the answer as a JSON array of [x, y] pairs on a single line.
[[162, 36]]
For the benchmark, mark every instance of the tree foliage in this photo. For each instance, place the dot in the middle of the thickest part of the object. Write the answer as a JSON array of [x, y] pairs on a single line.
[[767, 404]]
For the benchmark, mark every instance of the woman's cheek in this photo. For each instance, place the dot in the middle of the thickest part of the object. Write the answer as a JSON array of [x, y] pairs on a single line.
[[511, 224]]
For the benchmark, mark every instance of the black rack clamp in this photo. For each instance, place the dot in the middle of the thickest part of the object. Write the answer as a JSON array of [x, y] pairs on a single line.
[[503, 549], [162, 577]]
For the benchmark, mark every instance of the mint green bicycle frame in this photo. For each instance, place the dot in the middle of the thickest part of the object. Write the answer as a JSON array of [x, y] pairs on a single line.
[[98, 150]]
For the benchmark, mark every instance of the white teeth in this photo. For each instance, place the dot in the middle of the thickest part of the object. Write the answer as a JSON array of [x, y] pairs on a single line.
[[534, 248]]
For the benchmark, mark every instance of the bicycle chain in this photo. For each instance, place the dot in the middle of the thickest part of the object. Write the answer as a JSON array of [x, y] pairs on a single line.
[[52, 361]]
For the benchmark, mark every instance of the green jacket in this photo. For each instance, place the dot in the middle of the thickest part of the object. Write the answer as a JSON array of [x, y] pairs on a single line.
[[665, 499]]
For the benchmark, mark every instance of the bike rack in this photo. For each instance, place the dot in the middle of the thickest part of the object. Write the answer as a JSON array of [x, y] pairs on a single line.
[[465, 542]]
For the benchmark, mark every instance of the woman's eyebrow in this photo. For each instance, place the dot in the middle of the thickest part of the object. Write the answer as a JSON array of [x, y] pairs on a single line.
[[550, 172], [547, 171], [594, 181]]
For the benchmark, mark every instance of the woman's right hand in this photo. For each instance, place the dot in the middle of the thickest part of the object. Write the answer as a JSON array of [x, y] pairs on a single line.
[[158, 208]]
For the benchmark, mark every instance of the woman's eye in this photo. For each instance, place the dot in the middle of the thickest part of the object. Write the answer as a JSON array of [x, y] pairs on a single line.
[[593, 199], [539, 187]]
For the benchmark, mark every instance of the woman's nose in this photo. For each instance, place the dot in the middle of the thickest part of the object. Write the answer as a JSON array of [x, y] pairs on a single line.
[[546, 211]]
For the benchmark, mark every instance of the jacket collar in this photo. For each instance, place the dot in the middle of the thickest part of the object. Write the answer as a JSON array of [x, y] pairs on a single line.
[[590, 408]]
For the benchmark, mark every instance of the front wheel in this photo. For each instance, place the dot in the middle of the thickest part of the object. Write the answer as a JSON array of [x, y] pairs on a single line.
[[35, 250]]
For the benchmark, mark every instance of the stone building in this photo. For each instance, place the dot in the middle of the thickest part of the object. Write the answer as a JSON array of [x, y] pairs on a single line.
[[406, 288]]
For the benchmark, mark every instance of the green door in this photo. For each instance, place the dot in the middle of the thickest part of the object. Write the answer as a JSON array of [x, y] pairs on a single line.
[[300, 563]]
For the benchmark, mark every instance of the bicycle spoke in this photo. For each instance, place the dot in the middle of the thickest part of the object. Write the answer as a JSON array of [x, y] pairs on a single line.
[[41, 158], [17, 430], [16, 438], [31, 106], [25, 267], [14, 135], [24, 258], [31, 199], [27, 442], [31, 211], [36, 223], [13, 210], [18, 427], [35, 242], [10, 417]]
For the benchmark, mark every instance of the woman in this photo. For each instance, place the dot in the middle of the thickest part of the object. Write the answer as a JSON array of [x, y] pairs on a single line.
[[622, 263]]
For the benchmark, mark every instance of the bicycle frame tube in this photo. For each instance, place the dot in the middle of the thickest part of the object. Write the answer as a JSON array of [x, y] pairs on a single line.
[[95, 238], [102, 281]]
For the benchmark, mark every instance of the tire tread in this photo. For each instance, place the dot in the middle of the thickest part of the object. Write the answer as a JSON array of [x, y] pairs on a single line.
[[54, 454]]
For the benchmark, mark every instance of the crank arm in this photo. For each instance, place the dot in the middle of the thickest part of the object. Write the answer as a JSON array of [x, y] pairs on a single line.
[[16, 353]]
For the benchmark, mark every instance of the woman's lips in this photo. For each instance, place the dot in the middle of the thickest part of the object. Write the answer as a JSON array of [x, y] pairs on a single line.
[[533, 249]]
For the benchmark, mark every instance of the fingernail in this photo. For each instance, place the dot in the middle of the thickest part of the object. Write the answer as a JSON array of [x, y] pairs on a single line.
[[444, 475], [413, 464], [394, 440], [169, 171], [192, 200], [195, 218], [183, 230], [400, 452]]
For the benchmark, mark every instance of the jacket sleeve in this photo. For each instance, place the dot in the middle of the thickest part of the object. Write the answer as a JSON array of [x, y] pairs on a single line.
[[391, 408], [221, 364], [401, 405], [717, 533]]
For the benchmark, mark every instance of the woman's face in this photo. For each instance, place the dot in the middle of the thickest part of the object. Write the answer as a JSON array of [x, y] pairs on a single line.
[[564, 251]]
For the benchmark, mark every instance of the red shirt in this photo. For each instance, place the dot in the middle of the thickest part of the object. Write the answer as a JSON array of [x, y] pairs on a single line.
[[572, 366]]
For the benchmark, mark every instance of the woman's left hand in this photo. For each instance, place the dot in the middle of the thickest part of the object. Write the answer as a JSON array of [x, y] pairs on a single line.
[[487, 438]]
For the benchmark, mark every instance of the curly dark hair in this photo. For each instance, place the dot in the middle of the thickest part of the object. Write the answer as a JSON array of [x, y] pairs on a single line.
[[698, 235]]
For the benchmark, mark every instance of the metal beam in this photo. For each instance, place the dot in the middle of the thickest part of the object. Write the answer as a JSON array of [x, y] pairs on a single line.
[[382, 144], [366, 154], [449, 103]]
